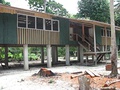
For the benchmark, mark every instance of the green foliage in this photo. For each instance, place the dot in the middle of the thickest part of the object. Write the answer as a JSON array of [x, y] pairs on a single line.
[[52, 7], [61, 51], [94, 9], [4, 2], [117, 13]]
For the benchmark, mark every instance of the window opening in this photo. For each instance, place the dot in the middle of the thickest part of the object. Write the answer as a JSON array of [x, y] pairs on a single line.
[[39, 22], [31, 22], [21, 21], [47, 24]]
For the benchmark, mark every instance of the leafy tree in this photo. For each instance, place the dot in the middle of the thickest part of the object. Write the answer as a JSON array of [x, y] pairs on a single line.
[[52, 7], [117, 13], [94, 9], [4, 2]]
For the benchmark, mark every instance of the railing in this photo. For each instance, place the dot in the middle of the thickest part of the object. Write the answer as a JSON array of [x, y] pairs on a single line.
[[90, 39], [79, 39]]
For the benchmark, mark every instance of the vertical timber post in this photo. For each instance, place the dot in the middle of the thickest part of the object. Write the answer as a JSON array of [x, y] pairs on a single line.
[[67, 55], [95, 58], [49, 62], [42, 55], [78, 53], [6, 57], [26, 63]]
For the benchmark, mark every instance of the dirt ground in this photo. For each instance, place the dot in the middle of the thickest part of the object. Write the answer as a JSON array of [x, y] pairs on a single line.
[[18, 79]]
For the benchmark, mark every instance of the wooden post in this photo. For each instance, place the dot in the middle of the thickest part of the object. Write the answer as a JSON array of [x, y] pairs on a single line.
[[78, 53], [42, 55], [26, 64], [49, 56], [67, 55], [83, 32], [6, 57]]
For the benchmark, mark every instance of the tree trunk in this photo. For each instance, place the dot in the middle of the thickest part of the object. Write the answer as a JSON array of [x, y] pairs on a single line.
[[84, 83], [114, 71]]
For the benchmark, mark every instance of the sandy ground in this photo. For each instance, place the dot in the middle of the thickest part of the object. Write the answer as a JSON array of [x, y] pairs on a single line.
[[18, 79]]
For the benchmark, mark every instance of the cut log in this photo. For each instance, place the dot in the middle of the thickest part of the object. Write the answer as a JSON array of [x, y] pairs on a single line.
[[84, 83], [45, 72]]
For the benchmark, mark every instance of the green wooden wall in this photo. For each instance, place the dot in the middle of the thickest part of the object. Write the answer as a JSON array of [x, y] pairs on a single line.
[[8, 28], [98, 34], [64, 32], [118, 37]]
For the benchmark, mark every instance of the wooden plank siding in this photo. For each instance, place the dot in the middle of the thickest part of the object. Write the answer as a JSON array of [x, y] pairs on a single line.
[[32, 36], [104, 41]]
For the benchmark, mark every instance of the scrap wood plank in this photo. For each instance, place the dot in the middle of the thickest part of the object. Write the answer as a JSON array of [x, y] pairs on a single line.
[[76, 72], [74, 76], [108, 83], [90, 73]]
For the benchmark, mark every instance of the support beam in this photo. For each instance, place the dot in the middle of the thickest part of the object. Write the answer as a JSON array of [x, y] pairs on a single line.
[[83, 32], [95, 57], [81, 55], [67, 55], [105, 39], [78, 53], [26, 63], [54, 55], [6, 57], [49, 62], [42, 55]]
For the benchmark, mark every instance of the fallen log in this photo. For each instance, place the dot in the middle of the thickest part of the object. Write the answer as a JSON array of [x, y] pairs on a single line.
[[74, 76], [108, 83], [107, 88], [45, 72]]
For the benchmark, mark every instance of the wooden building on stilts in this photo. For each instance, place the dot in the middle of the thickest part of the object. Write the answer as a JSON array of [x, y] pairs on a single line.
[[26, 28]]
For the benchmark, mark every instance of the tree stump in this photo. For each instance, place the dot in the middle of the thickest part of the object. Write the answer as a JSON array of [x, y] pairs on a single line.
[[84, 83], [45, 72]]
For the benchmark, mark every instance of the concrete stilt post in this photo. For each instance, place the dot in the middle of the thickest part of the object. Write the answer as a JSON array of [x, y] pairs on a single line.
[[54, 55], [67, 55], [81, 55], [49, 64], [26, 63], [6, 57], [42, 55]]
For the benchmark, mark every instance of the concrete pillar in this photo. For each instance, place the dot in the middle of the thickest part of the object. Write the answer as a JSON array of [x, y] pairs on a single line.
[[6, 57], [67, 55], [78, 53], [49, 64], [25, 51], [81, 55], [54, 54], [42, 55]]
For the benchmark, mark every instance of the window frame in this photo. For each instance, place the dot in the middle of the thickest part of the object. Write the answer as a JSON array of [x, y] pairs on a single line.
[[44, 24], [17, 20], [58, 25]]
